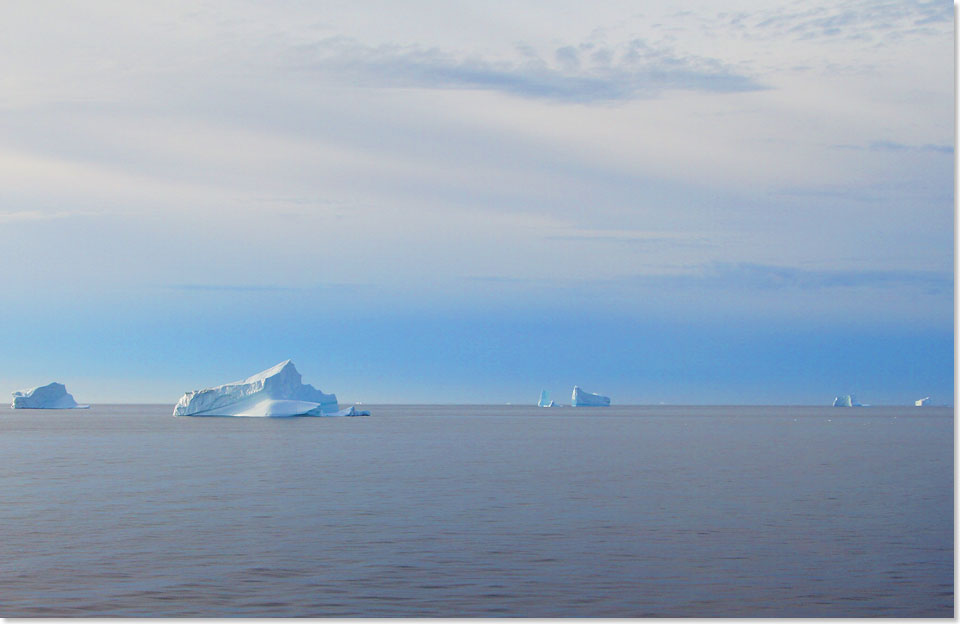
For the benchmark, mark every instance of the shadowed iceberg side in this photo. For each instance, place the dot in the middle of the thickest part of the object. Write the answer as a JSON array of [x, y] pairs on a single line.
[[51, 396], [274, 393]]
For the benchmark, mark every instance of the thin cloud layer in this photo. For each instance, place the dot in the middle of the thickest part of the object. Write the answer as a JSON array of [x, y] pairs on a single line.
[[749, 276], [866, 20], [20, 216], [771, 277], [584, 73], [894, 146], [261, 288]]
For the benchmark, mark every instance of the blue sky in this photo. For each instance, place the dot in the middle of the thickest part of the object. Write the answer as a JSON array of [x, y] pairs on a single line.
[[685, 203]]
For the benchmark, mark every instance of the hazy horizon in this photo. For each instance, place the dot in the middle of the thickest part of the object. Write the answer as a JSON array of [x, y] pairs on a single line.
[[434, 203]]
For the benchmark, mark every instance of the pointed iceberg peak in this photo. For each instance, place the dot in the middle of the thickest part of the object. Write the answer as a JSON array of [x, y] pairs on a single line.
[[276, 369], [284, 369], [582, 398], [545, 399], [51, 396], [275, 392]]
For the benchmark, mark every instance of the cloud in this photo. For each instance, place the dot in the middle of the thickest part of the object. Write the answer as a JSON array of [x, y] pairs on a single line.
[[890, 146], [747, 276], [771, 276], [19, 216], [635, 240], [258, 287], [893, 146], [905, 185], [229, 288], [752, 276], [499, 279], [632, 71], [858, 20]]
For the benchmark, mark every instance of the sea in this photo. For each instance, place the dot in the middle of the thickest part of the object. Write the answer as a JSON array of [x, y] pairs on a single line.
[[492, 511]]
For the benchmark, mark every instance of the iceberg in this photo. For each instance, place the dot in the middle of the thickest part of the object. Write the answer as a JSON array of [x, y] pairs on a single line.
[[582, 398], [545, 399], [925, 401], [51, 396], [846, 400], [277, 392]]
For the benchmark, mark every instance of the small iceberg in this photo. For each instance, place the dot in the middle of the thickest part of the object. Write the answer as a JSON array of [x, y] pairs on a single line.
[[545, 399], [924, 402], [274, 393], [582, 398], [846, 400], [51, 396]]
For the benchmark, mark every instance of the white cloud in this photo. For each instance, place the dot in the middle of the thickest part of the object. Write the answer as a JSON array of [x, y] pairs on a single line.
[[18, 216], [516, 141]]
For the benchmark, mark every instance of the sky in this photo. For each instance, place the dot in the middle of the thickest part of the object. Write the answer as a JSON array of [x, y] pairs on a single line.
[[468, 202]]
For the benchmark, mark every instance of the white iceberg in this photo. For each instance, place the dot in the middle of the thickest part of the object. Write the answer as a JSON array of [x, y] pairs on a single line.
[[274, 393], [846, 400], [545, 399], [925, 401], [582, 398], [51, 396]]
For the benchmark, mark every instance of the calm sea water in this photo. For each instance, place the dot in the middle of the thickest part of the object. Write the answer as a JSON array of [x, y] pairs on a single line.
[[479, 511]]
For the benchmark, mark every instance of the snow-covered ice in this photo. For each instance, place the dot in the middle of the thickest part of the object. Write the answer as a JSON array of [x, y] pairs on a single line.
[[582, 398], [274, 393], [51, 396]]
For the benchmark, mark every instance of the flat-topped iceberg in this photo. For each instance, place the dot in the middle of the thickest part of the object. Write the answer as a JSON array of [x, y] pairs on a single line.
[[274, 393], [582, 398], [51, 396]]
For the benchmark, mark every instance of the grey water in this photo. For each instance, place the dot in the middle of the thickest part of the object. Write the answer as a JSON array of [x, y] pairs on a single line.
[[421, 511]]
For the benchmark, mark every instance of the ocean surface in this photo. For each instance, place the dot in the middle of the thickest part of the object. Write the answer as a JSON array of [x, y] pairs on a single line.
[[123, 510]]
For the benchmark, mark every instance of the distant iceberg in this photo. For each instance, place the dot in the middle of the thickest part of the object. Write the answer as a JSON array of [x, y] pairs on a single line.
[[846, 400], [545, 399], [925, 401], [51, 396], [582, 398], [274, 393]]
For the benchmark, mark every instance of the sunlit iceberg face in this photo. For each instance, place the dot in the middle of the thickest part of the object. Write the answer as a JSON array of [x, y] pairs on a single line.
[[582, 398], [277, 392], [51, 396]]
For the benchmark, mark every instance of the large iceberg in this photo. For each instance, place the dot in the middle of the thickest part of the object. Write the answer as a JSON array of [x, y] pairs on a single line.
[[274, 393], [51, 396], [846, 400], [582, 398], [545, 399]]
